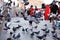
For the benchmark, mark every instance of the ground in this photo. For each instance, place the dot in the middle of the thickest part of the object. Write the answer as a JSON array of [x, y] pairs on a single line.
[[25, 24]]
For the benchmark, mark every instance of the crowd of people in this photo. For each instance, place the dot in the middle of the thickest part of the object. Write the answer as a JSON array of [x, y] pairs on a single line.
[[46, 12]]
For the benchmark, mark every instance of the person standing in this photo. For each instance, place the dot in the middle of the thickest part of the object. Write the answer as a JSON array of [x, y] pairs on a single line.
[[47, 11], [53, 11], [31, 10], [54, 8], [42, 10]]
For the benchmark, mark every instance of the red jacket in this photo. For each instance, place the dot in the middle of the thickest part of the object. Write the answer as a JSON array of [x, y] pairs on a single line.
[[47, 11], [31, 11]]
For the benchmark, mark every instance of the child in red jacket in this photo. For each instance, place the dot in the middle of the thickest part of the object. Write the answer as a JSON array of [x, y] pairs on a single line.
[[31, 10]]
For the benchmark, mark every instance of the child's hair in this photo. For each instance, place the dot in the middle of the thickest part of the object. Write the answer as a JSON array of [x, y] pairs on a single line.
[[31, 6], [43, 5]]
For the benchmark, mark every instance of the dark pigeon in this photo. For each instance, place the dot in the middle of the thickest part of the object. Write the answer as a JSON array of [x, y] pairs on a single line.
[[44, 29], [37, 32], [47, 31], [40, 37], [9, 39], [16, 37], [23, 29], [14, 29], [18, 27], [32, 34], [11, 33], [26, 29], [36, 26]]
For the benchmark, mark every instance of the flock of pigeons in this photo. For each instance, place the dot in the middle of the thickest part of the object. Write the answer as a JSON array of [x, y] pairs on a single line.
[[32, 33]]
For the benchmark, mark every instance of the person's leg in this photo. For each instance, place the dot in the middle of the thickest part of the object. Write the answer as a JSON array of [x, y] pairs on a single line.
[[50, 18]]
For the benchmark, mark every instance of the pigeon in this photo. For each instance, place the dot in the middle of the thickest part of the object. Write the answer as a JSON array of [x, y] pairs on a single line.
[[31, 29], [58, 38], [44, 39], [5, 24], [11, 33], [44, 35], [44, 29], [23, 29], [26, 29], [55, 35], [37, 32], [18, 27], [45, 25], [32, 34], [14, 29], [47, 31], [6, 28], [17, 21], [30, 22], [39, 37], [36, 26], [8, 38], [53, 32], [16, 37], [54, 28]]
